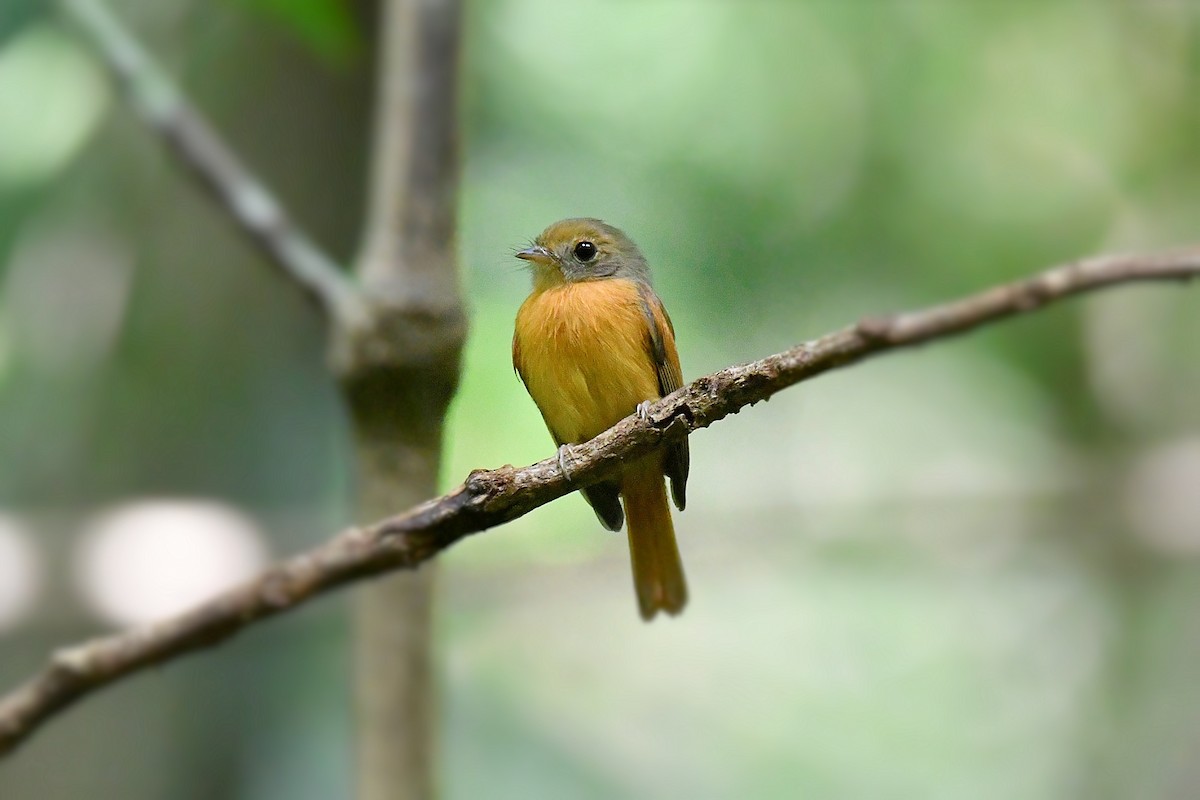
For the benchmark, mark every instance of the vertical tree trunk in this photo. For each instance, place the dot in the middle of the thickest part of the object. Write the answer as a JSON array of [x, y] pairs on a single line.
[[400, 369], [394, 683]]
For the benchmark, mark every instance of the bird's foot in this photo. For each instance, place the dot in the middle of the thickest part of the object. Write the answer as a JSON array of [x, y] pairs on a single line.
[[643, 410], [565, 451]]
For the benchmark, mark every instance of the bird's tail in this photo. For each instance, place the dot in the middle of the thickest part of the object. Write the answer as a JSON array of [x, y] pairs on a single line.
[[657, 568]]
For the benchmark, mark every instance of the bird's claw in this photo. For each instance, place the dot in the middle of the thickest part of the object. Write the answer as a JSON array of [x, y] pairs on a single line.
[[643, 410], [565, 450]]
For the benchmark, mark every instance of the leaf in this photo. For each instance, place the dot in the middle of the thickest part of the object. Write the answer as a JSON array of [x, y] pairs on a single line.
[[325, 26]]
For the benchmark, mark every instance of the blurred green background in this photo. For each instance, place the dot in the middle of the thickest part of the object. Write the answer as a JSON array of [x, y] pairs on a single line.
[[968, 571]]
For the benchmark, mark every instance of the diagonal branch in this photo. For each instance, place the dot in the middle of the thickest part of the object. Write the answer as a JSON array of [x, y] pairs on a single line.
[[490, 498], [164, 109]]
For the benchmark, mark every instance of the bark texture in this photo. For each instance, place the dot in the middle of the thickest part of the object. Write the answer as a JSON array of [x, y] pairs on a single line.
[[399, 371]]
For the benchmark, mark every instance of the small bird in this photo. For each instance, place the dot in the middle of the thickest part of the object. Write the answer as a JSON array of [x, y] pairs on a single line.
[[593, 344]]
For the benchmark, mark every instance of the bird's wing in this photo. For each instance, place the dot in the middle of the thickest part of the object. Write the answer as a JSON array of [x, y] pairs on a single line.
[[660, 342], [516, 355]]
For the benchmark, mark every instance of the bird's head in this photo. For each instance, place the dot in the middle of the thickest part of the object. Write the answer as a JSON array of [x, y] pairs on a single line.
[[584, 249]]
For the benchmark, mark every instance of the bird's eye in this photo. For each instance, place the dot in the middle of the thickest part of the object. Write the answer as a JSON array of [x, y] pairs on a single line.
[[585, 250]]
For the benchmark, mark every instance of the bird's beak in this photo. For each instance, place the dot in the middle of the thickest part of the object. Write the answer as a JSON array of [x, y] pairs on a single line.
[[536, 253]]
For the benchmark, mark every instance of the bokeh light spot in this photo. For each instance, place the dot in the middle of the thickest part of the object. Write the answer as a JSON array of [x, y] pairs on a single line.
[[1162, 501], [51, 98], [20, 572], [153, 558], [64, 297]]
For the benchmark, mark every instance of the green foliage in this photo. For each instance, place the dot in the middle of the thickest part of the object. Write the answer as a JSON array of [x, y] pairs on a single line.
[[325, 26]]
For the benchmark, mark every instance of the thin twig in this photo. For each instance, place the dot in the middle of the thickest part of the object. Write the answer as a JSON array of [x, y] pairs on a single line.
[[490, 498], [164, 109]]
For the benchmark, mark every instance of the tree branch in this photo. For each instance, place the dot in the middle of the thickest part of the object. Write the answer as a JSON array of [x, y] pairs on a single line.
[[490, 498], [408, 250], [164, 109]]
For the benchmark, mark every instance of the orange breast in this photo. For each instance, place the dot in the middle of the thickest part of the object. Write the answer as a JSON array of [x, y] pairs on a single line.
[[582, 351]]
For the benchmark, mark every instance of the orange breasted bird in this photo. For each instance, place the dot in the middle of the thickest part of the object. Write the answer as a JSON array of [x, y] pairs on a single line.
[[593, 344]]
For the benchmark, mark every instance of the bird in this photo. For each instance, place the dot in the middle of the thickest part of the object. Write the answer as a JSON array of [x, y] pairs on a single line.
[[593, 344]]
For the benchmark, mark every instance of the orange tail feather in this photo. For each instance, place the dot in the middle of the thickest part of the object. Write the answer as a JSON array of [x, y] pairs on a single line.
[[657, 568]]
